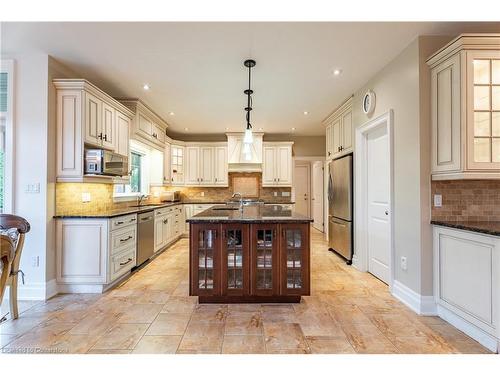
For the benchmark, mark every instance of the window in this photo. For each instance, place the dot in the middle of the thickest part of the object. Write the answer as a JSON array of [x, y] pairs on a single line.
[[139, 174], [6, 134]]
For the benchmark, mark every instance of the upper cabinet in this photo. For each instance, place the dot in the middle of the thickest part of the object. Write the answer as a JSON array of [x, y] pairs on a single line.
[[177, 163], [206, 164], [147, 126], [277, 164], [87, 117], [339, 131], [465, 108]]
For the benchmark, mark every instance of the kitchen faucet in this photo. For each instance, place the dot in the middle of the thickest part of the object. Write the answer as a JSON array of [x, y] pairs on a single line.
[[140, 197], [241, 200]]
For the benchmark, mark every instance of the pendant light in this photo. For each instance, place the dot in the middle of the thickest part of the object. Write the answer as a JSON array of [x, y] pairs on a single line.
[[248, 138]]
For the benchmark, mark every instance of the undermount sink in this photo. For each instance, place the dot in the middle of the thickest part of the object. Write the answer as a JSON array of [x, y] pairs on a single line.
[[225, 208]]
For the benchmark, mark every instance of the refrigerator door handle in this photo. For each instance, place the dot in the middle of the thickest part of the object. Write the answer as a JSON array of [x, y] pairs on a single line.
[[330, 188]]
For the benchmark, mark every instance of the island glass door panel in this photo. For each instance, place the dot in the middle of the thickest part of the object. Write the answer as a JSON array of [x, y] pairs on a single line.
[[294, 259], [205, 264], [235, 262], [264, 254]]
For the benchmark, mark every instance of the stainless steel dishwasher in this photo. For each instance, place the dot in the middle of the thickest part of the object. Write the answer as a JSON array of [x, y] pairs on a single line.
[[145, 237]]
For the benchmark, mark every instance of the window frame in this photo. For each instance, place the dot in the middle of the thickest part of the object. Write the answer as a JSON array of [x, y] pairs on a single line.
[[8, 66]]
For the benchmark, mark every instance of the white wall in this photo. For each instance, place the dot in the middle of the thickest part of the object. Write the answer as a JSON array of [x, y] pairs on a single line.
[[398, 87]]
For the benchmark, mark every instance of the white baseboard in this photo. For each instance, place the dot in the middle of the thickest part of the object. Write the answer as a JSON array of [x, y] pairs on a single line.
[[422, 305], [355, 263], [469, 329], [31, 291], [51, 289]]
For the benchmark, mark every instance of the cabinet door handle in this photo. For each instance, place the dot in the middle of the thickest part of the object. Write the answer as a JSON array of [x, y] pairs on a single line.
[[119, 222], [100, 136], [128, 261], [165, 221], [105, 137], [329, 153], [132, 219], [126, 239]]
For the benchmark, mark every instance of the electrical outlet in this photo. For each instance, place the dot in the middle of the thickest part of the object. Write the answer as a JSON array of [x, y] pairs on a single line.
[[85, 197], [33, 188], [404, 264], [35, 261], [202, 193], [438, 200], [275, 193]]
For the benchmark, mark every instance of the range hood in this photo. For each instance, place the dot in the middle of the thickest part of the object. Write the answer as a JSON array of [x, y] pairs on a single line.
[[237, 160]]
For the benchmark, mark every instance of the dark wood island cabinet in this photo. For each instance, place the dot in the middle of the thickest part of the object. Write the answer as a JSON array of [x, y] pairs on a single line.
[[260, 254]]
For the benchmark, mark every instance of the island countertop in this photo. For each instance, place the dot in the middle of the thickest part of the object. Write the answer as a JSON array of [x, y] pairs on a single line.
[[250, 214]]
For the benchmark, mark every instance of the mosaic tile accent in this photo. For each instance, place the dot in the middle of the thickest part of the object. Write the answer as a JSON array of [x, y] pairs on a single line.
[[467, 200]]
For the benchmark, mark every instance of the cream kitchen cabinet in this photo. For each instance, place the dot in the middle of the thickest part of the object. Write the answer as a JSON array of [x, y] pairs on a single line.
[[167, 164], [156, 168], [220, 166], [467, 282], [93, 254], [147, 126], [86, 117], [177, 163], [206, 165], [465, 108], [339, 131], [277, 164], [168, 226]]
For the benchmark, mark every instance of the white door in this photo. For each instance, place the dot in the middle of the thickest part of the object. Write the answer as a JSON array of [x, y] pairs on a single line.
[[302, 185], [317, 196], [378, 193]]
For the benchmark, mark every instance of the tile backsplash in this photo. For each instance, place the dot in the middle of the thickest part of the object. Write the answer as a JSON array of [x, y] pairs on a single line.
[[69, 195], [467, 200]]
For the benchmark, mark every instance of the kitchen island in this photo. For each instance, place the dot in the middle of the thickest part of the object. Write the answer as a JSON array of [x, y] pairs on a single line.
[[257, 254]]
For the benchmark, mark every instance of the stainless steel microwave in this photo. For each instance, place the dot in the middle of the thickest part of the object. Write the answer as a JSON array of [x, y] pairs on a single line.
[[106, 163]]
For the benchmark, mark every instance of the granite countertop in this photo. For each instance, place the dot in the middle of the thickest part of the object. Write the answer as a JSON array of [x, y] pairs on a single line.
[[137, 210], [486, 227], [250, 214]]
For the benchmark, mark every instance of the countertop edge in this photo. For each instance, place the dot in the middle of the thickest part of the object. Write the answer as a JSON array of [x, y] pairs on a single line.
[[466, 226]]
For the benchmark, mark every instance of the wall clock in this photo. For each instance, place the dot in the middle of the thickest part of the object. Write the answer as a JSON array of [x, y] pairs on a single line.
[[368, 103]]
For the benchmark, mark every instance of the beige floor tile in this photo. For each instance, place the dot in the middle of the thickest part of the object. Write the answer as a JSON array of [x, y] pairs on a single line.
[[109, 351], [140, 313], [21, 325], [210, 313], [469, 346], [244, 307], [202, 337], [367, 339], [319, 323], [243, 344], [244, 323], [121, 336], [421, 345], [329, 345], [43, 336], [278, 314], [177, 304], [154, 296], [169, 324], [281, 336], [95, 324], [348, 314], [74, 344], [397, 325], [157, 345]]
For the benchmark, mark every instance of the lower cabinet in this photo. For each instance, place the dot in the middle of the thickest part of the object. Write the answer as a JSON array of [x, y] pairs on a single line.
[[467, 282], [239, 262], [168, 222], [92, 254]]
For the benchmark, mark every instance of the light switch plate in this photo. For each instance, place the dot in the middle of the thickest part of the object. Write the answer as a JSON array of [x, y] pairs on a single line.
[[85, 197], [438, 200], [404, 264], [202, 193], [275, 193]]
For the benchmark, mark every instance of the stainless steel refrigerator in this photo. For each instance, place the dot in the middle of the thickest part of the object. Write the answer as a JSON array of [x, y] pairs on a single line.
[[340, 217]]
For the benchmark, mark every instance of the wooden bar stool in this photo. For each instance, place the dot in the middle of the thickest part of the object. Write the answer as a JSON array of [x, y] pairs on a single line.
[[21, 226]]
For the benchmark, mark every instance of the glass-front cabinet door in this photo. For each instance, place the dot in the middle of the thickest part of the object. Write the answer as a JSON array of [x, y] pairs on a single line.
[[264, 253], [235, 260], [205, 259], [483, 109], [294, 259]]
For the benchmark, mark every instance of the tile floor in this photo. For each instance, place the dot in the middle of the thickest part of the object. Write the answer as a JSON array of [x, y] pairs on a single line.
[[347, 312]]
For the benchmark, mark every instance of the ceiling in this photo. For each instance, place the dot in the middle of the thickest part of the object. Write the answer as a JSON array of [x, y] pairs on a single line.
[[196, 69]]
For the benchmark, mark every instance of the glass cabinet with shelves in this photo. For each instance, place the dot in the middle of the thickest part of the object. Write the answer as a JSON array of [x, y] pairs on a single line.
[[204, 262], [235, 262], [295, 278], [465, 108], [264, 259]]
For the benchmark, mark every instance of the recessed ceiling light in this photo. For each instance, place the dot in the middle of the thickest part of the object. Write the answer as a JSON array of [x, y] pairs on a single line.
[[227, 128], [306, 113], [186, 129], [293, 129], [337, 72], [146, 86], [171, 113]]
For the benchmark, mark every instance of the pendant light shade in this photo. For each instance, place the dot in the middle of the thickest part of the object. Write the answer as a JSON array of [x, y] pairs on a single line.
[[248, 138]]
